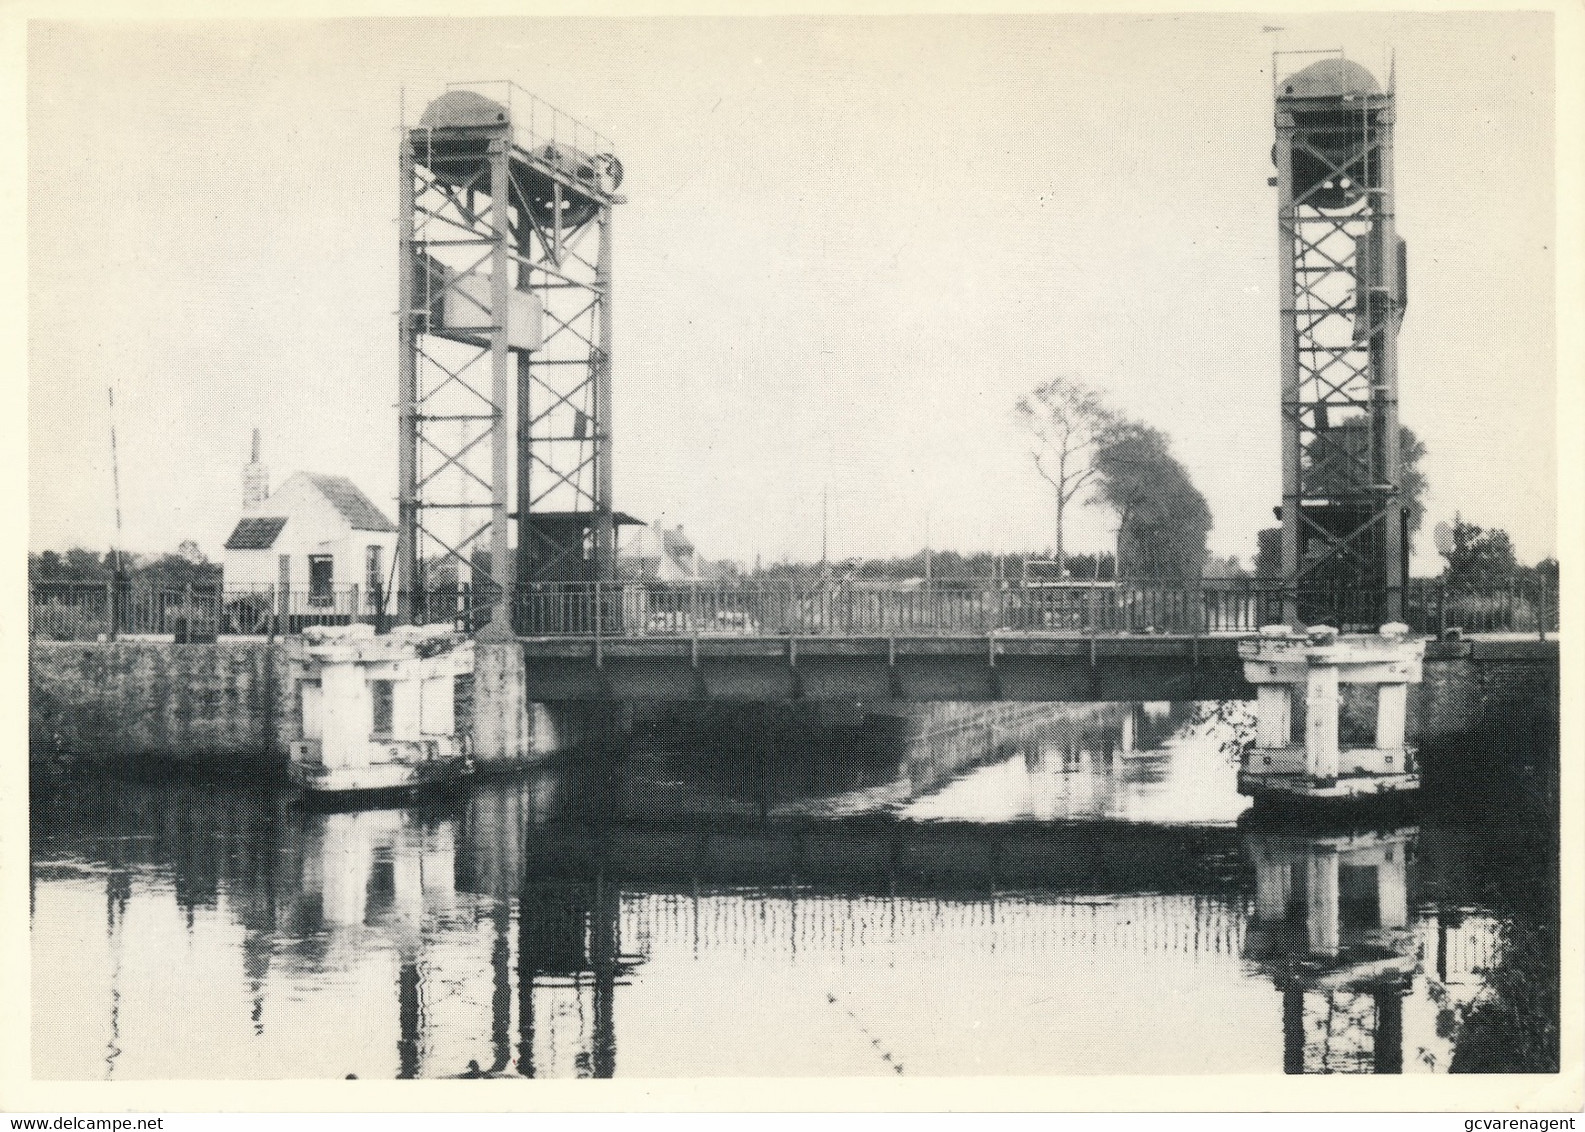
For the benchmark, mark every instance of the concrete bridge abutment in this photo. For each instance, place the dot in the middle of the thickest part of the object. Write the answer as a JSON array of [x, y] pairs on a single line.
[[513, 728]]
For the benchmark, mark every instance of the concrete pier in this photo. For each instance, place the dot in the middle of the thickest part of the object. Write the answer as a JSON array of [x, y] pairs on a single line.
[[503, 718], [379, 712], [1280, 663]]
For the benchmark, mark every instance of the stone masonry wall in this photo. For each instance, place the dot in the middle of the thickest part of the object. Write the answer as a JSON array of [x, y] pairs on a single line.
[[1466, 686], [229, 706], [1473, 685]]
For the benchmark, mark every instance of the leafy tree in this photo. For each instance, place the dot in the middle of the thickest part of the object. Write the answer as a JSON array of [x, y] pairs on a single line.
[[166, 571], [1479, 557], [1339, 461], [175, 571], [1268, 553], [74, 565], [1065, 420], [1092, 567], [1334, 467], [1411, 450], [1163, 520]]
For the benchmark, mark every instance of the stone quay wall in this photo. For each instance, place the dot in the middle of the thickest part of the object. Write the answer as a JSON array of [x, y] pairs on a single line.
[[1466, 686], [1488, 713], [230, 706]]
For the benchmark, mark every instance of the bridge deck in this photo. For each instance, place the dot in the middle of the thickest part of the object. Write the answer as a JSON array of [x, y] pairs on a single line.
[[969, 667], [1030, 666]]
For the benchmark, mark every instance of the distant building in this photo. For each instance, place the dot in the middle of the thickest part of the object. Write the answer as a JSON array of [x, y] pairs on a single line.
[[655, 554], [316, 533]]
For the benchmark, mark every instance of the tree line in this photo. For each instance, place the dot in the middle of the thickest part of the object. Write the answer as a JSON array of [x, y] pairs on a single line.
[[188, 566]]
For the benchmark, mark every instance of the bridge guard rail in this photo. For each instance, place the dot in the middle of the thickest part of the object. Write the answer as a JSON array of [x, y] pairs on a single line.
[[87, 610], [969, 608]]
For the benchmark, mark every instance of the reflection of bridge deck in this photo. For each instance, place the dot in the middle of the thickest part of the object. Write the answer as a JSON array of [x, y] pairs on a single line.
[[657, 923], [994, 666], [946, 860]]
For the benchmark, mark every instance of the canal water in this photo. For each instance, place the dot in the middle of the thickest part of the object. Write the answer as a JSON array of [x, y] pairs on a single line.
[[947, 890]]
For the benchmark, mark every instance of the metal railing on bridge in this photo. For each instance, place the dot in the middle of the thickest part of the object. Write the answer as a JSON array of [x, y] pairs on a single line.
[[85, 611], [771, 609], [1220, 606], [75, 611]]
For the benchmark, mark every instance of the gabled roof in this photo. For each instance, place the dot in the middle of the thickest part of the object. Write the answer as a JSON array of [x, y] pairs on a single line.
[[255, 534], [675, 542], [354, 506]]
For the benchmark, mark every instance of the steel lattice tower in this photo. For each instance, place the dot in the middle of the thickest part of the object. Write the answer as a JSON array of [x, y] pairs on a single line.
[[505, 349], [1342, 292]]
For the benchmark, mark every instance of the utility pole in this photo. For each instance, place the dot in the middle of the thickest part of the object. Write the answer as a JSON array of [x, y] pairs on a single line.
[[825, 516], [115, 479]]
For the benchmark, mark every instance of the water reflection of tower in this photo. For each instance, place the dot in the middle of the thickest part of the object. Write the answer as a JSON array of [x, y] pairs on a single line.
[[569, 965], [569, 958], [1331, 927], [382, 870]]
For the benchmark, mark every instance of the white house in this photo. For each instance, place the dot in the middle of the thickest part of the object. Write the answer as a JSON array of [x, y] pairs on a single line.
[[656, 554], [317, 534]]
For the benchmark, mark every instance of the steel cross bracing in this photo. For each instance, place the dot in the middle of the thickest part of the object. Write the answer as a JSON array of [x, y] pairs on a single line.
[[502, 421], [1342, 478]]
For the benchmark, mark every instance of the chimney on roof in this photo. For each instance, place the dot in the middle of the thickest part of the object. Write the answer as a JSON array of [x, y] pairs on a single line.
[[255, 480]]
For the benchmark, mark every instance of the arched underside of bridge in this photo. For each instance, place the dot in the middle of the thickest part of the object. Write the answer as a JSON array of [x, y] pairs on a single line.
[[868, 669]]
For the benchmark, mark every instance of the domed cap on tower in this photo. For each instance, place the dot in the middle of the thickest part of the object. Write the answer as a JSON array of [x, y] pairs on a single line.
[[1330, 78], [463, 109]]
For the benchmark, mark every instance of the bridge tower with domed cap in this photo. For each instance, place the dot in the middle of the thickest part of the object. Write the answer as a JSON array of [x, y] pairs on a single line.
[[1342, 296], [505, 328]]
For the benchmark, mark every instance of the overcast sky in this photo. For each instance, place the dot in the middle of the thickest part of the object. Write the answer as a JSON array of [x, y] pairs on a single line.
[[849, 245]]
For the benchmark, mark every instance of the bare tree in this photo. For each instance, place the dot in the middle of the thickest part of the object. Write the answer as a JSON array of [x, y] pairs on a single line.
[[1065, 419]]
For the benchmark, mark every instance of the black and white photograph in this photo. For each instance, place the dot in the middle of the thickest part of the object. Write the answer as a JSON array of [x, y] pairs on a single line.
[[854, 546]]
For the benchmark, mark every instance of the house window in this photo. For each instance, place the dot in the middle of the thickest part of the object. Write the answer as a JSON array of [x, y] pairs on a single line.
[[374, 574], [321, 580]]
